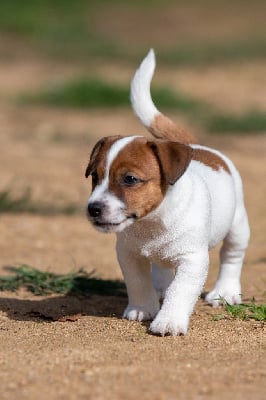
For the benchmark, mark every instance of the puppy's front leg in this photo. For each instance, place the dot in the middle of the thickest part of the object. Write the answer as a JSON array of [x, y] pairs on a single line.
[[143, 303], [182, 294]]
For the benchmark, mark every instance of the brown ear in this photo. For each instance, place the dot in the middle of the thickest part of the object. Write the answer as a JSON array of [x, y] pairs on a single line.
[[103, 144], [173, 158], [95, 151]]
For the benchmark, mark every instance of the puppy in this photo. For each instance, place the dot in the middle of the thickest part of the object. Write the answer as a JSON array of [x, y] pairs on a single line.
[[169, 200]]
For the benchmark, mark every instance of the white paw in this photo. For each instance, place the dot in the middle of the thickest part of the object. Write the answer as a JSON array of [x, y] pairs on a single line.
[[169, 325], [224, 293], [138, 313]]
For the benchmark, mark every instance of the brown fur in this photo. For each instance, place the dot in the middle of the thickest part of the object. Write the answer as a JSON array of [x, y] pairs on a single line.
[[173, 159], [157, 164], [163, 128], [98, 155], [137, 159], [210, 159]]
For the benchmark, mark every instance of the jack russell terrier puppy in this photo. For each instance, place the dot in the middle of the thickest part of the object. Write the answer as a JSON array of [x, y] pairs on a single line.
[[169, 200]]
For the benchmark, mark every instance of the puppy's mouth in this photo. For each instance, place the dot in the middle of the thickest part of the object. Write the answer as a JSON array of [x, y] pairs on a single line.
[[106, 226]]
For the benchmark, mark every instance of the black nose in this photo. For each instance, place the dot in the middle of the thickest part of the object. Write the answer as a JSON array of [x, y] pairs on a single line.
[[95, 209]]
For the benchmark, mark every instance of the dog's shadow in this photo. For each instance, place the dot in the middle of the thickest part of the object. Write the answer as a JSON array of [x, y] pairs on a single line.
[[88, 296], [106, 298]]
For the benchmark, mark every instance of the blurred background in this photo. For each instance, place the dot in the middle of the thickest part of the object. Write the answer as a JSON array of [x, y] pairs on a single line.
[[65, 71]]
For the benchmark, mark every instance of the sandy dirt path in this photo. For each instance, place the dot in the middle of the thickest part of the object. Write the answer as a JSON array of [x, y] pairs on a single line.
[[99, 355]]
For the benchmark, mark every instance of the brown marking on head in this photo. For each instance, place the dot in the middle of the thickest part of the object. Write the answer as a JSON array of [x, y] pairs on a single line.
[[98, 155], [155, 165], [164, 128], [136, 160], [210, 159]]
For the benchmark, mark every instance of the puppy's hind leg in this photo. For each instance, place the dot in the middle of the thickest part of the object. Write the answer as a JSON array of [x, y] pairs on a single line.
[[227, 287], [161, 279]]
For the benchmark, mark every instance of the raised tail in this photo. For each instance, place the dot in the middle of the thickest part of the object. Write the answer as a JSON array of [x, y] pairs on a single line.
[[157, 123]]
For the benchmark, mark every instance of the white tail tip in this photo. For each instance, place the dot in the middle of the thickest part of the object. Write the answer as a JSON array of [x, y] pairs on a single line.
[[157, 123], [140, 95]]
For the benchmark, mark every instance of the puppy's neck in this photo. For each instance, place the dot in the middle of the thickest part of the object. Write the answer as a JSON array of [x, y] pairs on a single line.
[[160, 220]]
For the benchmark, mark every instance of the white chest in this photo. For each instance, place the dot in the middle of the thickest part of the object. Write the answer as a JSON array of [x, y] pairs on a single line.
[[197, 213]]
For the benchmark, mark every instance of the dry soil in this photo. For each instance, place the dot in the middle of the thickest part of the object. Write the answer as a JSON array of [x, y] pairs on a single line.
[[95, 354]]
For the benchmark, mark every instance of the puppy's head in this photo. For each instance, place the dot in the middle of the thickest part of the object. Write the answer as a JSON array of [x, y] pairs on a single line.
[[130, 176]]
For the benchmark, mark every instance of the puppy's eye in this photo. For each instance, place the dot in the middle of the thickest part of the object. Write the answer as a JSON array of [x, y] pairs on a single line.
[[130, 180]]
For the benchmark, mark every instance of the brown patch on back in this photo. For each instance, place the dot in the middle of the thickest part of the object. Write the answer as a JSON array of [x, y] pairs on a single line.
[[164, 128], [210, 159], [137, 159]]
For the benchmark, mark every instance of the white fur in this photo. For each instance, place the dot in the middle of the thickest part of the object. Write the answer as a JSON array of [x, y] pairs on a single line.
[[201, 209], [140, 90], [114, 207], [102, 189]]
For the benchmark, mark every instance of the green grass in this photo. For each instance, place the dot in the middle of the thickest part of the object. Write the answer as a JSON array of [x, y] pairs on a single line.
[[96, 93], [243, 311], [69, 29], [251, 121], [205, 53], [82, 93], [61, 28], [42, 283], [24, 203], [45, 20], [45, 283]]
